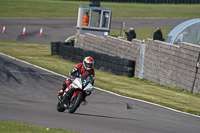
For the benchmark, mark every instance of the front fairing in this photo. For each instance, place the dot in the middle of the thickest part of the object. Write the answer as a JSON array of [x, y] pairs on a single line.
[[83, 83], [89, 87], [77, 83]]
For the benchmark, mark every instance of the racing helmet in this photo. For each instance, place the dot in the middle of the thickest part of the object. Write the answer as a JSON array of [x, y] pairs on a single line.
[[88, 63]]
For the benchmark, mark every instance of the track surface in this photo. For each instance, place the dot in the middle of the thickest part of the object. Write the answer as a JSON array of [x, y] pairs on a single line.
[[28, 95], [61, 29]]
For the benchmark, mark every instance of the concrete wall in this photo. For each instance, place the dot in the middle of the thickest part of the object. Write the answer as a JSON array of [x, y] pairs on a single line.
[[164, 63]]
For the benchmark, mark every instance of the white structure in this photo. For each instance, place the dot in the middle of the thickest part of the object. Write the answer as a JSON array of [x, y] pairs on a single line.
[[99, 20], [188, 31]]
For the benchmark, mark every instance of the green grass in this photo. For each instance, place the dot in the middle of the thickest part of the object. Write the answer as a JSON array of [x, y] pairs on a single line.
[[129, 10], [14, 127], [140, 33], [132, 87], [144, 33], [69, 9]]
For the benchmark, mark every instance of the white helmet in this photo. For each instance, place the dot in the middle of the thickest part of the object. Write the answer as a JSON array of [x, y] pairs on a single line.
[[88, 63]]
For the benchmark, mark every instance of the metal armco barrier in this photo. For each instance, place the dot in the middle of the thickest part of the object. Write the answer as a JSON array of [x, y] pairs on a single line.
[[103, 62]]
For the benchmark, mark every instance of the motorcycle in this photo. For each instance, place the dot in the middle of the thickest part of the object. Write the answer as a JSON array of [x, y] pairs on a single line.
[[77, 92]]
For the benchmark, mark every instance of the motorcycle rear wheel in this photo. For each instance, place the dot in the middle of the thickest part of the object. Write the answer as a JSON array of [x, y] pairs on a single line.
[[75, 103]]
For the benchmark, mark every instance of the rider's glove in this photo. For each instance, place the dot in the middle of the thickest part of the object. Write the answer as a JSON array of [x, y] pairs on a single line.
[[72, 78]]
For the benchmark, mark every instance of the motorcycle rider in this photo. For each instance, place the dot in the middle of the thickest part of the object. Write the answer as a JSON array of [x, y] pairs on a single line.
[[79, 69]]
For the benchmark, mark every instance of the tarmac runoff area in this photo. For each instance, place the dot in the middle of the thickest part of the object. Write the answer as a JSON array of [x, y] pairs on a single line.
[[53, 30]]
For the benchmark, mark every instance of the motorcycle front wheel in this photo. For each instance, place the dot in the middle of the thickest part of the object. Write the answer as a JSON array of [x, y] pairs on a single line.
[[60, 108], [75, 103]]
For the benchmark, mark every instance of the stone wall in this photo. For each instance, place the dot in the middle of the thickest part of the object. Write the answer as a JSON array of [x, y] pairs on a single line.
[[172, 65], [164, 63], [111, 45]]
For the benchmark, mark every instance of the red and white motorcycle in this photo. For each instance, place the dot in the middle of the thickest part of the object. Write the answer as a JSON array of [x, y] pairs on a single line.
[[78, 90]]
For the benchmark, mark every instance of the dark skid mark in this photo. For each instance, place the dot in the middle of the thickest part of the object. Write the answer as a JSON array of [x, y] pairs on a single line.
[[22, 37], [103, 116], [9, 75], [6, 67], [128, 106]]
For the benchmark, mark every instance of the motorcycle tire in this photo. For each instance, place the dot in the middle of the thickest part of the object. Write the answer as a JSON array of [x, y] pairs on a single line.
[[76, 103], [59, 107]]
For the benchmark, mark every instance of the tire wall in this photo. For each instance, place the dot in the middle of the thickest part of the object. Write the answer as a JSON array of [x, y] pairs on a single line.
[[113, 47], [104, 62], [54, 48]]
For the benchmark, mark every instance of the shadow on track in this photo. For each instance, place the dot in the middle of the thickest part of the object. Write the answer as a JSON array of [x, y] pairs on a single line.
[[103, 116]]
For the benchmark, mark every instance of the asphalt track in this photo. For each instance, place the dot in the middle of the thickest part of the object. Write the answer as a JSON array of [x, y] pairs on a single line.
[[28, 95], [60, 29]]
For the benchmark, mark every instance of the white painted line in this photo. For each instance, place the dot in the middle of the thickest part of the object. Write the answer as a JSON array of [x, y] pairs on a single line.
[[148, 103], [102, 89], [69, 38]]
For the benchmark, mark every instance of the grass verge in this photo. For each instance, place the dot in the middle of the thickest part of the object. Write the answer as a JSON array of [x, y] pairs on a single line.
[[69, 9], [132, 87], [144, 33], [15, 127]]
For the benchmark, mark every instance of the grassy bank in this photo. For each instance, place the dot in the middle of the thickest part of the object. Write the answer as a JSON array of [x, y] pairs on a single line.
[[131, 87], [69, 9], [144, 33], [14, 127]]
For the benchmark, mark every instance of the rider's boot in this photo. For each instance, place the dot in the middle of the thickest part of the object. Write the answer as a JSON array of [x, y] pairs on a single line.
[[60, 93], [64, 89]]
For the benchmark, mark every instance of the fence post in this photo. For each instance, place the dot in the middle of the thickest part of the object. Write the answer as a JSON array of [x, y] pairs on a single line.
[[141, 62], [194, 82], [123, 28]]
